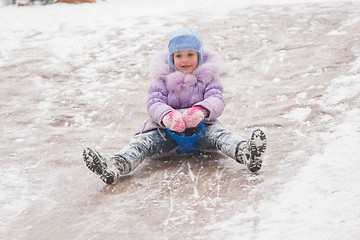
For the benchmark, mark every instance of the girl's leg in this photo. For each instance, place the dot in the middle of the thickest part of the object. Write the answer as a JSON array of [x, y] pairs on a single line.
[[248, 152], [139, 148], [217, 137], [142, 146]]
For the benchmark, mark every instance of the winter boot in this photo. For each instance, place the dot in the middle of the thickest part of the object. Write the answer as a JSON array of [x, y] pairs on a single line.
[[109, 169], [251, 152]]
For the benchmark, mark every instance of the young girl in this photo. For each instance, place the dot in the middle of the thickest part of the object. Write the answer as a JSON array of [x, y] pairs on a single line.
[[185, 91]]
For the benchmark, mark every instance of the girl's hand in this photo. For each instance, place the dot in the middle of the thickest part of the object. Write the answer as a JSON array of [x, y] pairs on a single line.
[[193, 116], [173, 120]]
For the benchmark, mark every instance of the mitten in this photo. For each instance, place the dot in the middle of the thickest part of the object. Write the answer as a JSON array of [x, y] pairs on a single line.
[[193, 116], [173, 120]]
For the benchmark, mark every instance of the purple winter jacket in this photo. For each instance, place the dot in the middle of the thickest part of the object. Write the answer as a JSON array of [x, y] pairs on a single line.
[[173, 90]]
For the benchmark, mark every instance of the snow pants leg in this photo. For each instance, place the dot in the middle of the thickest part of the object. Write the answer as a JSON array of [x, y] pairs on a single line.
[[142, 146], [217, 137]]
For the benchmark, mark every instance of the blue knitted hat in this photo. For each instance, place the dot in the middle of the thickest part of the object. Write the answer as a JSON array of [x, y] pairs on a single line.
[[185, 39]]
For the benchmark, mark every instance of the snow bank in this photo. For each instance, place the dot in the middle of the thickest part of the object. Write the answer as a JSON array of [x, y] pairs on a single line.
[[322, 201]]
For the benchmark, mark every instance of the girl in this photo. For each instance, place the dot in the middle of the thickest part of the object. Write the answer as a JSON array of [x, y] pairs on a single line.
[[185, 91]]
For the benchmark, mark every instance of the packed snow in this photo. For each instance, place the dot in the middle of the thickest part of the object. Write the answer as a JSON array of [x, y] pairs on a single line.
[[74, 76]]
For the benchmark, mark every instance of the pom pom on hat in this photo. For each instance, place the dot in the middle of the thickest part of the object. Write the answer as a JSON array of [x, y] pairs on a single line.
[[184, 39]]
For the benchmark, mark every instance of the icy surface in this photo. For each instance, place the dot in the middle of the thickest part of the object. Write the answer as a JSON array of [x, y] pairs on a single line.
[[73, 76]]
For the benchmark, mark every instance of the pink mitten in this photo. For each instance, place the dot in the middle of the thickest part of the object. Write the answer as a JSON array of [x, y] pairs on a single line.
[[173, 120], [193, 116]]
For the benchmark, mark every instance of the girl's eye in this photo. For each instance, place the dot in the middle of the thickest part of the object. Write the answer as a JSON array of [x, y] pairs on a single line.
[[178, 56], [190, 54]]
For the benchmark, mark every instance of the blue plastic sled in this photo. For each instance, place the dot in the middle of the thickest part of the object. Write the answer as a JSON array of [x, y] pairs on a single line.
[[187, 144]]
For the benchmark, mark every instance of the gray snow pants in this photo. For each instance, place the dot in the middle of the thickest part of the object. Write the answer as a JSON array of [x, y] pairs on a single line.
[[158, 142]]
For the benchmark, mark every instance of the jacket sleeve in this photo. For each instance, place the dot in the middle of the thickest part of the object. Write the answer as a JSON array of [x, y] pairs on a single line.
[[213, 99], [157, 103]]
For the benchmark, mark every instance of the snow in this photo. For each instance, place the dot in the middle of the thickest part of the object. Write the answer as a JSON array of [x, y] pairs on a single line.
[[298, 114], [322, 194], [321, 202], [73, 76]]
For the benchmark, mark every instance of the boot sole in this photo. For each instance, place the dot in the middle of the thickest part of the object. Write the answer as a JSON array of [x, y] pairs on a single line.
[[92, 161], [258, 143]]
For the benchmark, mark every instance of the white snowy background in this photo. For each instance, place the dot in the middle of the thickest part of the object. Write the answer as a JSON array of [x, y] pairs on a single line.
[[73, 76]]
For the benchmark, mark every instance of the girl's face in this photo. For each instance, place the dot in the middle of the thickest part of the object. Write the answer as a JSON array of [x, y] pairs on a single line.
[[186, 61]]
